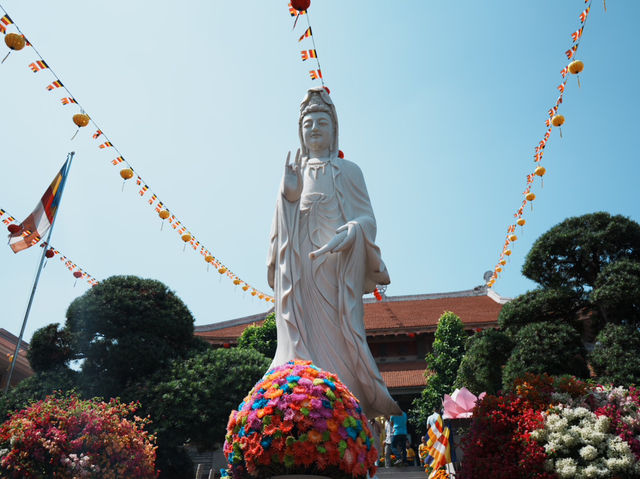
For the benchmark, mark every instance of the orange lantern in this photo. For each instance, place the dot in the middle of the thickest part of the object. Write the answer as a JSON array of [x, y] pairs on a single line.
[[521, 221], [222, 270], [164, 214], [15, 42], [77, 274], [498, 269], [513, 238], [507, 252], [81, 120], [254, 292], [14, 228], [530, 196], [186, 237], [540, 171], [208, 258], [503, 262], [261, 296], [575, 67], [245, 287], [236, 281], [126, 173]]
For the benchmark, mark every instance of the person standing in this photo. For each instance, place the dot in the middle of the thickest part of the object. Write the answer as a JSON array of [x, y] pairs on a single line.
[[388, 435], [399, 440]]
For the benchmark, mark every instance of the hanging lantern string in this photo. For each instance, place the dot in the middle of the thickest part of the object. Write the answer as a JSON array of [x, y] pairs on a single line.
[[107, 143], [313, 40], [529, 196], [10, 219]]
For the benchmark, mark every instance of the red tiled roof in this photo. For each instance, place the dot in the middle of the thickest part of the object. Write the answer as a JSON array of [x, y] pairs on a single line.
[[404, 375], [394, 315]]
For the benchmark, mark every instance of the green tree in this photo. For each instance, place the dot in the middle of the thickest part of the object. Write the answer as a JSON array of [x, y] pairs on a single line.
[[50, 348], [36, 388], [481, 367], [572, 253], [549, 348], [616, 292], [615, 356], [540, 305], [443, 363], [262, 338], [125, 329], [191, 400]]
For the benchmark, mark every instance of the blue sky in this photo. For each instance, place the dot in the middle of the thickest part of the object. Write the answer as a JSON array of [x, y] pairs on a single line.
[[440, 103]]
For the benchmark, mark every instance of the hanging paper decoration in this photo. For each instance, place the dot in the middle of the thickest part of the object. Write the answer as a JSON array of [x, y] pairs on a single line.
[[307, 54], [38, 66], [54, 85], [81, 120], [68, 101], [315, 74], [5, 21], [15, 42], [117, 160], [306, 34], [107, 144], [554, 119], [97, 134], [126, 173]]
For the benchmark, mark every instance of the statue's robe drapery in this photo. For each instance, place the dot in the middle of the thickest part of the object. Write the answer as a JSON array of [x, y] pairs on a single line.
[[319, 309]]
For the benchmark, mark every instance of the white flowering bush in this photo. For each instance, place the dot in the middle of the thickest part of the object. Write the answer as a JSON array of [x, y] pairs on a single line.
[[580, 444]]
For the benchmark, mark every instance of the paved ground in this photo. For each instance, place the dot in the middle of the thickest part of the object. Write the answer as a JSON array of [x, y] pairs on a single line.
[[401, 473]]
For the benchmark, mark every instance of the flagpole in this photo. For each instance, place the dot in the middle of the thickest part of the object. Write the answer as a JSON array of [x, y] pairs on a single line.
[[35, 282]]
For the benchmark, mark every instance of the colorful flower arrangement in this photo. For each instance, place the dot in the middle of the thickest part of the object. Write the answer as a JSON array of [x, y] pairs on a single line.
[[555, 428], [299, 419], [67, 437]]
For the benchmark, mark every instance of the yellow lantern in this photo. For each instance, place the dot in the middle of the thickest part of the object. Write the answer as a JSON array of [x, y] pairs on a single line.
[[513, 238], [507, 252], [164, 214], [186, 237], [540, 171], [261, 296], [245, 287], [14, 42], [521, 221], [126, 173], [558, 121], [81, 119], [576, 67], [530, 196], [254, 292], [236, 281], [208, 258], [222, 270]]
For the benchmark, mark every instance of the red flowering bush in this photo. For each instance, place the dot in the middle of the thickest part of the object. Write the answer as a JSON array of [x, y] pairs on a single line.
[[299, 420], [67, 437], [499, 444]]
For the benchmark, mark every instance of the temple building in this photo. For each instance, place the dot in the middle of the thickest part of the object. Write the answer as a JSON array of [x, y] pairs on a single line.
[[22, 369], [400, 331]]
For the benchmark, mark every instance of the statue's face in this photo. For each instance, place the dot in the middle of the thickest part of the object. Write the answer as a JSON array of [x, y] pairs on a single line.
[[317, 131]]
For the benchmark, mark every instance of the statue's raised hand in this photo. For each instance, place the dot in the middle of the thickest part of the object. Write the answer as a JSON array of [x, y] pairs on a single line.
[[292, 182]]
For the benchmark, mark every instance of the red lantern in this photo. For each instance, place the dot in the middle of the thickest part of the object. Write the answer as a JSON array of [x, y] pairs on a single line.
[[412, 335], [300, 5], [77, 274], [49, 253], [13, 228], [226, 345], [341, 154], [327, 89]]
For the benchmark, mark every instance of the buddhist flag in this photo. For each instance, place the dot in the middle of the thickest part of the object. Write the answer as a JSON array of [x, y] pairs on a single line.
[[37, 66], [106, 144], [306, 54], [306, 34], [4, 21], [315, 74], [41, 219], [571, 52], [584, 15], [295, 12], [575, 36], [68, 100], [117, 160], [54, 85], [97, 134]]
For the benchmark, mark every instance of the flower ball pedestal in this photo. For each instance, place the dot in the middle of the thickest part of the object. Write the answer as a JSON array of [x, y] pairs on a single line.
[[299, 420]]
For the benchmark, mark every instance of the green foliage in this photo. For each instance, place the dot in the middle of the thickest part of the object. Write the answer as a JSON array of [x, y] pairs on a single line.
[[481, 367], [540, 305], [448, 350], [262, 338], [549, 348], [126, 328], [572, 253], [191, 401], [36, 388], [615, 358], [50, 348], [617, 292]]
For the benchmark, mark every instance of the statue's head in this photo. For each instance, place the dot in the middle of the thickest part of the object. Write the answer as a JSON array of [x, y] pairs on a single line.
[[317, 105]]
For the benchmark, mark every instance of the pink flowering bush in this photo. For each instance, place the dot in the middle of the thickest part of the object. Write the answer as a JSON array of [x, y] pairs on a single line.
[[299, 419], [66, 437]]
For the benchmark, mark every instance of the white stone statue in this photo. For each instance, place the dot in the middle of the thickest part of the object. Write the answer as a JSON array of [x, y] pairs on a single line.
[[323, 258]]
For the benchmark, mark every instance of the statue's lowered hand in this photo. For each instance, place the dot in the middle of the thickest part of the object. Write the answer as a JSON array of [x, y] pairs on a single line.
[[344, 238], [292, 182]]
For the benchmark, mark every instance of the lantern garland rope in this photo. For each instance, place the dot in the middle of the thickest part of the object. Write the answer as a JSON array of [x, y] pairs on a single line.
[[554, 120], [129, 172], [77, 271]]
